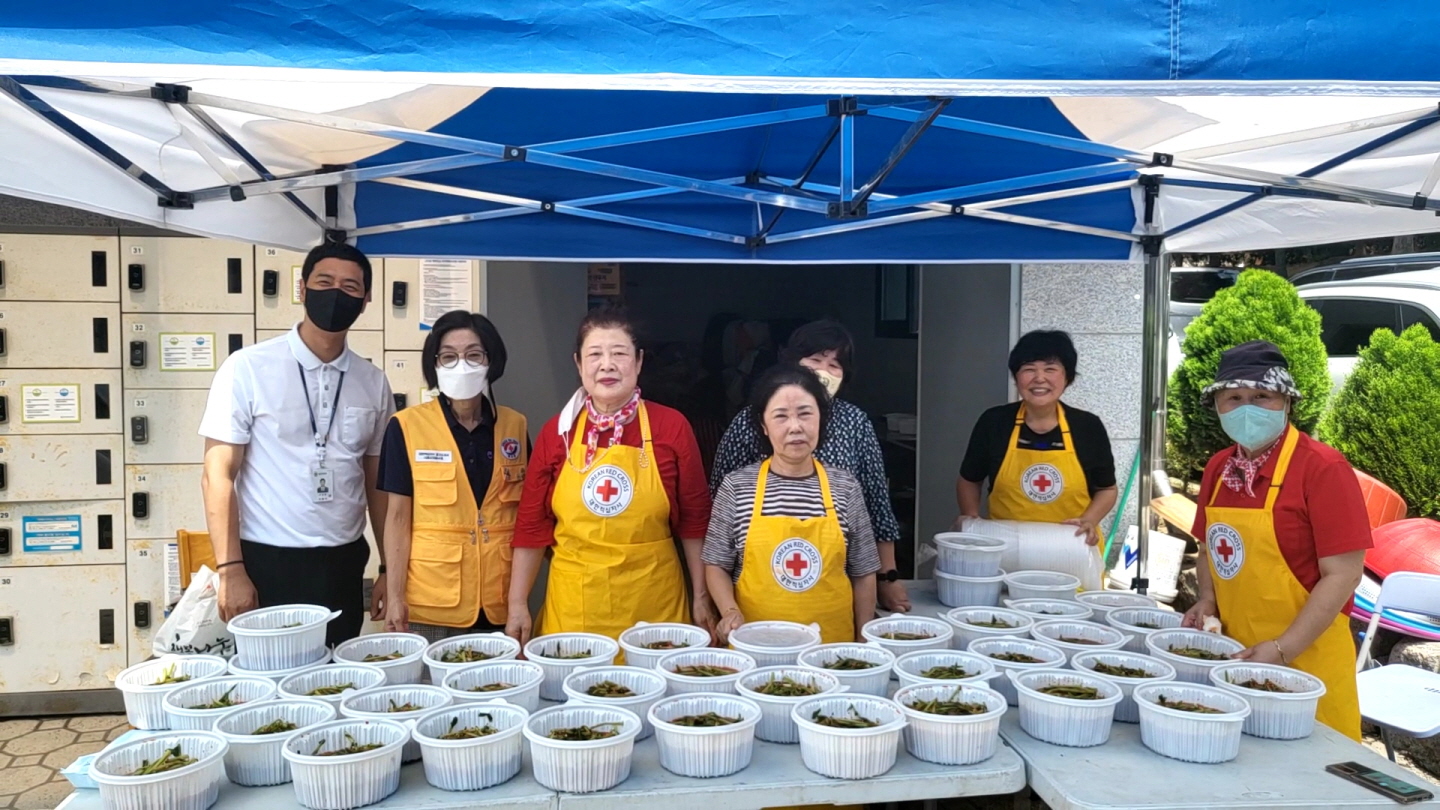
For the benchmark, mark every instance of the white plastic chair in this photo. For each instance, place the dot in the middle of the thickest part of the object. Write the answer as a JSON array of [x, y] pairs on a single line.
[[1397, 696]]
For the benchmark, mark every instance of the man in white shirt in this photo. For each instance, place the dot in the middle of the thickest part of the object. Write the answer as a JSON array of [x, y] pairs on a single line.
[[293, 429]]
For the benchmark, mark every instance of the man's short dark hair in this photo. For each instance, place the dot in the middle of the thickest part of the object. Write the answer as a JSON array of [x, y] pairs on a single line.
[[773, 380], [460, 319], [1041, 346], [336, 250], [821, 336]]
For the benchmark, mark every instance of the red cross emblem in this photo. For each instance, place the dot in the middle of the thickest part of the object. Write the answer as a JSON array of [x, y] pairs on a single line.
[[1224, 549], [607, 490], [796, 565], [1043, 483]]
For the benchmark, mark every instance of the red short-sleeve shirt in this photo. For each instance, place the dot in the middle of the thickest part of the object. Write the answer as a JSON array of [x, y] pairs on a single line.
[[1320, 511], [681, 473]]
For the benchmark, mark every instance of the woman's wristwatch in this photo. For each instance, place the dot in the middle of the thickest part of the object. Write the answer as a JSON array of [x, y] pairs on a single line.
[[893, 575]]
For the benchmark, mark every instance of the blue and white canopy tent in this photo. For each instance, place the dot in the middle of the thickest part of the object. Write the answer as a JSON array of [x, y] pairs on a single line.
[[736, 131]]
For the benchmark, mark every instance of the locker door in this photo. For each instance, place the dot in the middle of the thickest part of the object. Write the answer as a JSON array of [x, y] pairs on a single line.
[[68, 625], [369, 345], [283, 309], [402, 369], [433, 287], [182, 274], [61, 468], [59, 268], [171, 500], [73, 335], [146, 597], [44, 533], [59, 401], [171, 425], [181, 351]]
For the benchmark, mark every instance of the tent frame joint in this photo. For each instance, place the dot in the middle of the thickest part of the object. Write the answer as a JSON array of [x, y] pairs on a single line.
[[178, 200], [1162, 159], [547, 207], [756, 241], [237, 194], [516, 154], [169, 93], [843, 106], [1420, 202], [1152, 243], [847, 209], [336, 236]]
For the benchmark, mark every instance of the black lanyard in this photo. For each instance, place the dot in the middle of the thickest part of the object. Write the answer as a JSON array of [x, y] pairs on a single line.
[[320, 441]]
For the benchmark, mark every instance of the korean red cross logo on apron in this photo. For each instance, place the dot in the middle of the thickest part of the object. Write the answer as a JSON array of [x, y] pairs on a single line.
[[1042, 483], [796, 565], [607, 491], [1227, 550]]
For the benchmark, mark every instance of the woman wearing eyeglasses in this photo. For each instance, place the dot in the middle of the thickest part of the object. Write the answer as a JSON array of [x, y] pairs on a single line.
[[454, 467]]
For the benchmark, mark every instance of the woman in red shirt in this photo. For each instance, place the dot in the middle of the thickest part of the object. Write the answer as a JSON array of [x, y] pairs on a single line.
[[612, 481], [1284, 526]]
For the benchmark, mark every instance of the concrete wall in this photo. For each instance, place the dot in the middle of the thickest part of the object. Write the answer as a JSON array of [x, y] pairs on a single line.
[[537, 307], [1100, 305]]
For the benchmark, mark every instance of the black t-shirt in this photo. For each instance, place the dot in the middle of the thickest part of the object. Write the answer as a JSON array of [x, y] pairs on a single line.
[[990, 441]]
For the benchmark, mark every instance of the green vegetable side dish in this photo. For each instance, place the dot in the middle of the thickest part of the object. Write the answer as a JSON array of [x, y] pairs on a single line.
[[1147, 625], [950, 707], [995, 622], [464, 655], [1200, 653], [330, 690], [1266, 685], [492, 687], [1185, 706], [1078, 640], [470, 732], [786, 687], [850, 664], [704, 671], [599, 731], [168, 676], [1117, 671], [561, 656], [610, 689], [1016, 658], [391, 656], [1072, 692], [354, 747], [288, 626], [948, 672], [851, 719], [275, 727], [172, 760], [222, 702], [706, 720], [906, 636], [665, 645], [403, 707]]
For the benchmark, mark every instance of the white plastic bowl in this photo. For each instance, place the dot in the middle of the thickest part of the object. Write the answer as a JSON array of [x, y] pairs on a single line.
[[955, 590], [1066, 721], [1055, 632], [1044, 610], [476, 763], [193, 787], [960, 619], [349, 780], [677, 684], [873, 681], [256, 760], [969, 555], [581, 766], [776, 725], [406, 669], [938, 632], [364, 677], [245, 691], [633, 641], [648, 685], [263, 640], [1191, 670], [145, 700], [498, 646], [1158, 671], [544, 649], [1105, 601], [1041, 585], [1191, 736], [1273, 715], [525, 676], [1129, 620], [707, 751], [908, 667], [375, 704], [952, 739], [1050, 656], [849, 753], [774, 644], [241, 667]]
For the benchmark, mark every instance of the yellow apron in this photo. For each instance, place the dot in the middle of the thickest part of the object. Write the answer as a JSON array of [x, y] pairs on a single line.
[[615, 561], [794, 568], [1259, 596], [1045, 486]]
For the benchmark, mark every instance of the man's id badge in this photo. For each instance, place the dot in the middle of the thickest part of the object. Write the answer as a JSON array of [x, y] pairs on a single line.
[[322, 484]]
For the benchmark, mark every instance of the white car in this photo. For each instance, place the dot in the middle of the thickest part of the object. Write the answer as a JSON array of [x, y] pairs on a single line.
[[1350, 311]]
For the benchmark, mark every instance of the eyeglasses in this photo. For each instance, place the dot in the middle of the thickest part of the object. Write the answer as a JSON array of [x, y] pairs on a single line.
[[451, 359]]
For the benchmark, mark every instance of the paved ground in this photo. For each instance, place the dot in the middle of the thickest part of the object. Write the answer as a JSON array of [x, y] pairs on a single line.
[[32, 752]]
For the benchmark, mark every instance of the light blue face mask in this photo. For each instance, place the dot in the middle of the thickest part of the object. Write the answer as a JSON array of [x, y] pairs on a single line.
[[1253, 427]]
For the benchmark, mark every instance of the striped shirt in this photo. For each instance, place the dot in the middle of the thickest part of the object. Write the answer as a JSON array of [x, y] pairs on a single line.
[[787, 497]]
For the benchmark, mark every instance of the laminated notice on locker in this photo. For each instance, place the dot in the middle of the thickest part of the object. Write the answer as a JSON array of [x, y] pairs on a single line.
[[50, 403], [297, 283], [173, 592], [51, 533], [187, 351], [445, 285]]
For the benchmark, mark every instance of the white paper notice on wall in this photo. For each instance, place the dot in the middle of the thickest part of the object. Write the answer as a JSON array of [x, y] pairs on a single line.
[[445, 285], [297, 282], [173, 592], [187, 351], [50, 403]]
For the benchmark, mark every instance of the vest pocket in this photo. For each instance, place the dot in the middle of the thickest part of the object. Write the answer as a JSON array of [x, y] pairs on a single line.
[[434, 572], [435, 484]]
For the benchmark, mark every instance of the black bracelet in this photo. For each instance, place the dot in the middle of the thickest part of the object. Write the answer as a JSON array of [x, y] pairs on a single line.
[[232, 562], [382, 568]]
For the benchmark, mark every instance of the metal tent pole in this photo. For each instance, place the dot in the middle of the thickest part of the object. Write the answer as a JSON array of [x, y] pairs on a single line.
[[1154, 331]]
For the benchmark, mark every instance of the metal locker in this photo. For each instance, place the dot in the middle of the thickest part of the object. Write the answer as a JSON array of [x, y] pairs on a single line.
[[432, 288], [402, 369], [63, 335], [60, 468], [163, 425], [67, 627], [146, 594], [369, 345], [59, 268], [59, 401], [283, 309], [163, 499], [181, 351], [61, 533], [183, 274]]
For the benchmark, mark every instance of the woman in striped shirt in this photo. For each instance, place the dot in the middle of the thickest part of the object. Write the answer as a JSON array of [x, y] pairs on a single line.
[[790, 538]]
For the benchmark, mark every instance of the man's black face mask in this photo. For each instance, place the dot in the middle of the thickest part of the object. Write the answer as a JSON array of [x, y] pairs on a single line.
[[332, 310]]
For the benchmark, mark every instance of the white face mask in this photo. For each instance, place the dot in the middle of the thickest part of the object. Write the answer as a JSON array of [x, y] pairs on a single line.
[[464, 381], [830, 381]]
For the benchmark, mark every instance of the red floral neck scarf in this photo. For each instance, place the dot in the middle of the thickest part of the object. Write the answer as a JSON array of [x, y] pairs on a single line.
[[597, 423], [1240, 472]]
